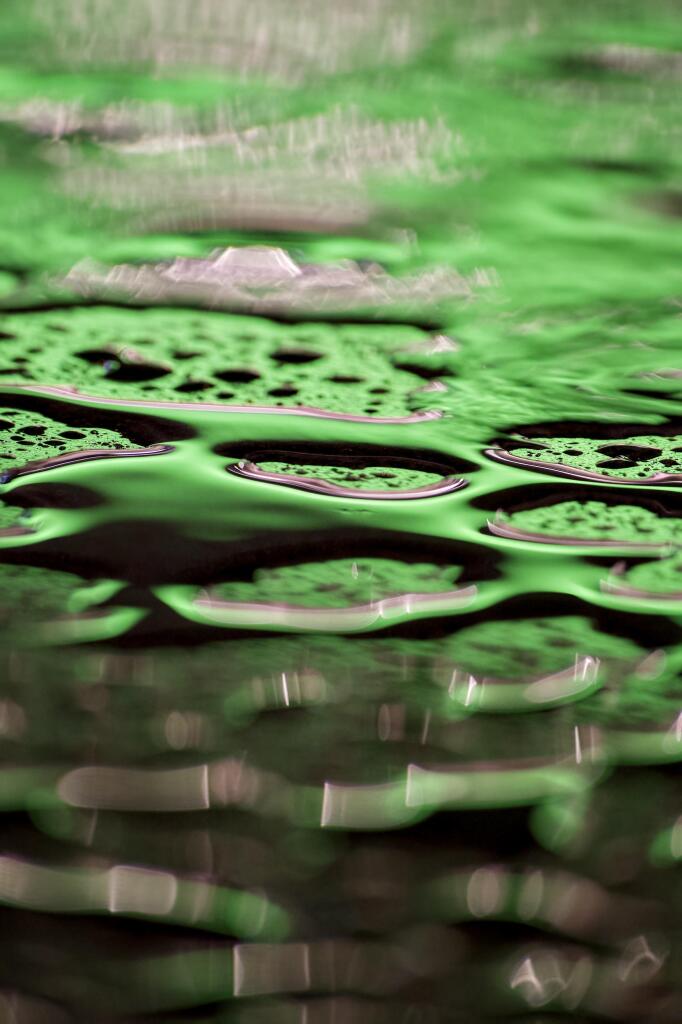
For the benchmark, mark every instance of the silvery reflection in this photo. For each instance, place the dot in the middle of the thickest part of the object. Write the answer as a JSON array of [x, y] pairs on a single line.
[[268, 282]]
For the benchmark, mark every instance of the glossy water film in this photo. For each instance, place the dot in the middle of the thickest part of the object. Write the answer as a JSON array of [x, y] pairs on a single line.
[[340, 523]]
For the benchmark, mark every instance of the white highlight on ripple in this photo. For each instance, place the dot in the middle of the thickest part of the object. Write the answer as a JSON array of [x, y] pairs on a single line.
[[559, 469], [85, 455], [334, 620], [568, 683], [83, 398], [252, 471], [618, 589], [500, 528], [494, 694], [133, 890]]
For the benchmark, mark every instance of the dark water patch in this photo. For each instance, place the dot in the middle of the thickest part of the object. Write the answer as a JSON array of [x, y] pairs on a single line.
[[46, 495], [193, 387], [361, 456], [238, 376], [143, 429], [545, 495], [286, 391], [95, 355], [650, 631], [296, 356], [382, 319], [634, 168], [134, 373], [153, 553], [661, 395], [426, 371], [594, 429], [667, 203], [579, 66]]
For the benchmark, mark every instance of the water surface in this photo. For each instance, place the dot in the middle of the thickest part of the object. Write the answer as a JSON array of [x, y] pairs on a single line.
[[341, 454]]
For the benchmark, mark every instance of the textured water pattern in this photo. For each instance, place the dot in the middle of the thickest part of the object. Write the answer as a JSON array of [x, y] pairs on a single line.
[[340, 519]]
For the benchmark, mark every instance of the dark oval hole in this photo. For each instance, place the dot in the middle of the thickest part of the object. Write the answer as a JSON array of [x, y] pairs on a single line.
[[53, 496], [633, 452], [94, 355], [431, 372], [296, 355], [135, 373], [238, 376], [191, 387], [283, 392]]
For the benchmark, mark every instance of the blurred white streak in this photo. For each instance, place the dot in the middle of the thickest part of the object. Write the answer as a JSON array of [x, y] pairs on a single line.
[[267, 39], [334, 620], [106, 788], [265, 969], [358, 807], [141, 891]]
